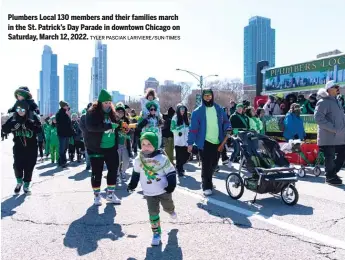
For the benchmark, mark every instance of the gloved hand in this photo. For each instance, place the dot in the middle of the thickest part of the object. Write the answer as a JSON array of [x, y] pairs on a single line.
[[169, 189], [129, 188]]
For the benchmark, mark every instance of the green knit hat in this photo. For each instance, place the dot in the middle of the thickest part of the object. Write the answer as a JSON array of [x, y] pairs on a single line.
[[24, 92], [151, 137], [239, 105], [104, 96], [83, 112], [120, 106], [151, 104], [74, 114]]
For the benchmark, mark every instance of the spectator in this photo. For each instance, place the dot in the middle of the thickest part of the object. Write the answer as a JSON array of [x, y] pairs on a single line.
[[254, 122], [330, 118], [232, 107], [64, 130], [168, 136], [272, 107], [293, 124], [260, 114], [309, 107]]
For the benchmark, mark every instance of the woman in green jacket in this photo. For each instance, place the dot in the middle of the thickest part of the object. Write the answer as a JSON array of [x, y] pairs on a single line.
[[254, 122]]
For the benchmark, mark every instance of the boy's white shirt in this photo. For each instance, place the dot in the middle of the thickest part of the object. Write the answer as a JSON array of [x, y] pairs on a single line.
[[181, 140], [154, 188]]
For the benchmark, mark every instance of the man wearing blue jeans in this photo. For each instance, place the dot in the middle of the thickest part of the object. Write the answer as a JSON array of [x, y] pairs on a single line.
[[64, 131]]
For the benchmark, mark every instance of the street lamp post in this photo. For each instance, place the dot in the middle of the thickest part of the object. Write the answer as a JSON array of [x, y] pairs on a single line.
[[199, 78]]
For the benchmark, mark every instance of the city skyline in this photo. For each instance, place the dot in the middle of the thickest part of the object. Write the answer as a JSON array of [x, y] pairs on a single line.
[[71, 86], [49, 82], [211, 41], [98, 71], [259, 44]]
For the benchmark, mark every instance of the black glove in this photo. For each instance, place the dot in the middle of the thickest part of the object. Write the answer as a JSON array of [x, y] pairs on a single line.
[[130, 188], [169, 189]]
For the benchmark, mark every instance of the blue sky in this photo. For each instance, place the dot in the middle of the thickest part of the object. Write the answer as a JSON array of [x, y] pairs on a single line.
[[212, 40]]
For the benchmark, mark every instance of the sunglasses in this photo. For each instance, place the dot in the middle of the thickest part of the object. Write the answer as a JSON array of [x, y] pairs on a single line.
[[153, 109], [336, 87], [20, 110]]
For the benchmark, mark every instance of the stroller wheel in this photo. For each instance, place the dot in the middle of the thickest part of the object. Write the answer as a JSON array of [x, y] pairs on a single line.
[[301, 172], [317, 171], [234, 186], [289, 195]]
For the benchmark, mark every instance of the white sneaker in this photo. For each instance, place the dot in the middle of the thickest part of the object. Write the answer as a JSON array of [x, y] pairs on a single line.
[[229, 164], [226, 161], [97, 201], [113, 198], [156, 240], [173, 215], [207, 192]]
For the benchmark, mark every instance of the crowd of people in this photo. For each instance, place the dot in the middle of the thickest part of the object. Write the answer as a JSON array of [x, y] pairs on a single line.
[[109, 136]]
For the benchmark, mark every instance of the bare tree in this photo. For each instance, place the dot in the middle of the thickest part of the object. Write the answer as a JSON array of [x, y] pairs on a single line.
[[224, 91]]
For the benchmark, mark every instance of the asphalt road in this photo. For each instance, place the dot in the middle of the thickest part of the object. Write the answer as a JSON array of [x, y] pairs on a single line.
[[59, 221]]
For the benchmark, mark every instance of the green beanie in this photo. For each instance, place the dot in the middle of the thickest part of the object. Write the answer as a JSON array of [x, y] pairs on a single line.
[[120, 106], [239, 105], [151, 104], [74, 114], [104, 96], [24, 92], [83, 112], [151, 137]]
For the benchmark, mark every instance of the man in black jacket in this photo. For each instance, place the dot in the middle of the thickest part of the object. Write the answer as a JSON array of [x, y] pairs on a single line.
[[168, 136], [83, 129], [64, 131]]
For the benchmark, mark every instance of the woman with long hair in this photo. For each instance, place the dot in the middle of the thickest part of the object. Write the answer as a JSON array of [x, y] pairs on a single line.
[[24, 130], [254, 122], [180, 128], [102, 144]]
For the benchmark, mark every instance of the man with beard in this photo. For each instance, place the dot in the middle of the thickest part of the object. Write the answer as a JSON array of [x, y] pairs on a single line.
[[208, 126]]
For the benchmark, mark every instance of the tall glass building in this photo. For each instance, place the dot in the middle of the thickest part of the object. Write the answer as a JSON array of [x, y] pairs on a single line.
[[259, 44], [49, 83], [98, 71], [71, 86]]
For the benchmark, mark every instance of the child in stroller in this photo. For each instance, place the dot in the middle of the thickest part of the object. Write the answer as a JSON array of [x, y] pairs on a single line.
[[269, 170]]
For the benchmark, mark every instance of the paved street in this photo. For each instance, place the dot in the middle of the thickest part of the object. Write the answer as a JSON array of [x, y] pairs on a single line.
[[59, 221]]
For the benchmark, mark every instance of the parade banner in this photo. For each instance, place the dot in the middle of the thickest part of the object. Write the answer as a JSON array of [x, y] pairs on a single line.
[[305, 76]]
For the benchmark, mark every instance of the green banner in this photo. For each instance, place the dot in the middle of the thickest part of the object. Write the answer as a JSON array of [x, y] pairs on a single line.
[[305, 76], [272, 124]]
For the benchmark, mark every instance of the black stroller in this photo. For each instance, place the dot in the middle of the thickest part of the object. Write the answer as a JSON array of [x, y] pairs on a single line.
[[270, 171]]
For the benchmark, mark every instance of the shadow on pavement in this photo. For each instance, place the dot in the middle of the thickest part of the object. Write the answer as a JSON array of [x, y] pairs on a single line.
[[172, 249], [312, 178], [189, 182], [52, 172], [237, 219], [267, 206], [8, 205], [191, 167], [84, 233], [45, 166], [81, 175]]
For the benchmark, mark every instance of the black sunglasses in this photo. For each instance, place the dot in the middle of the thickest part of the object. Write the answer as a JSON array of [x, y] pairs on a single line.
[[153, 109]]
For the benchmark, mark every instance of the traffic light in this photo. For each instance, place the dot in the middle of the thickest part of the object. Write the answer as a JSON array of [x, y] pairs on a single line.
[[259, 76]]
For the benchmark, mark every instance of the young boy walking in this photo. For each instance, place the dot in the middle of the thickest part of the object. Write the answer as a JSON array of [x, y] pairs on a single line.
[[158, 180]]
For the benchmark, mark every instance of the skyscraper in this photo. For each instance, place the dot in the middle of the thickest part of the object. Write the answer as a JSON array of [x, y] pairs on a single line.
[[259, 44], [49, 83], [71, 85], [151, 83], [98, 71]]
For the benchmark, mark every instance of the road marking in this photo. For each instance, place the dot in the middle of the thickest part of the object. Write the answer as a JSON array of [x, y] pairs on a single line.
[[333, 242]]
